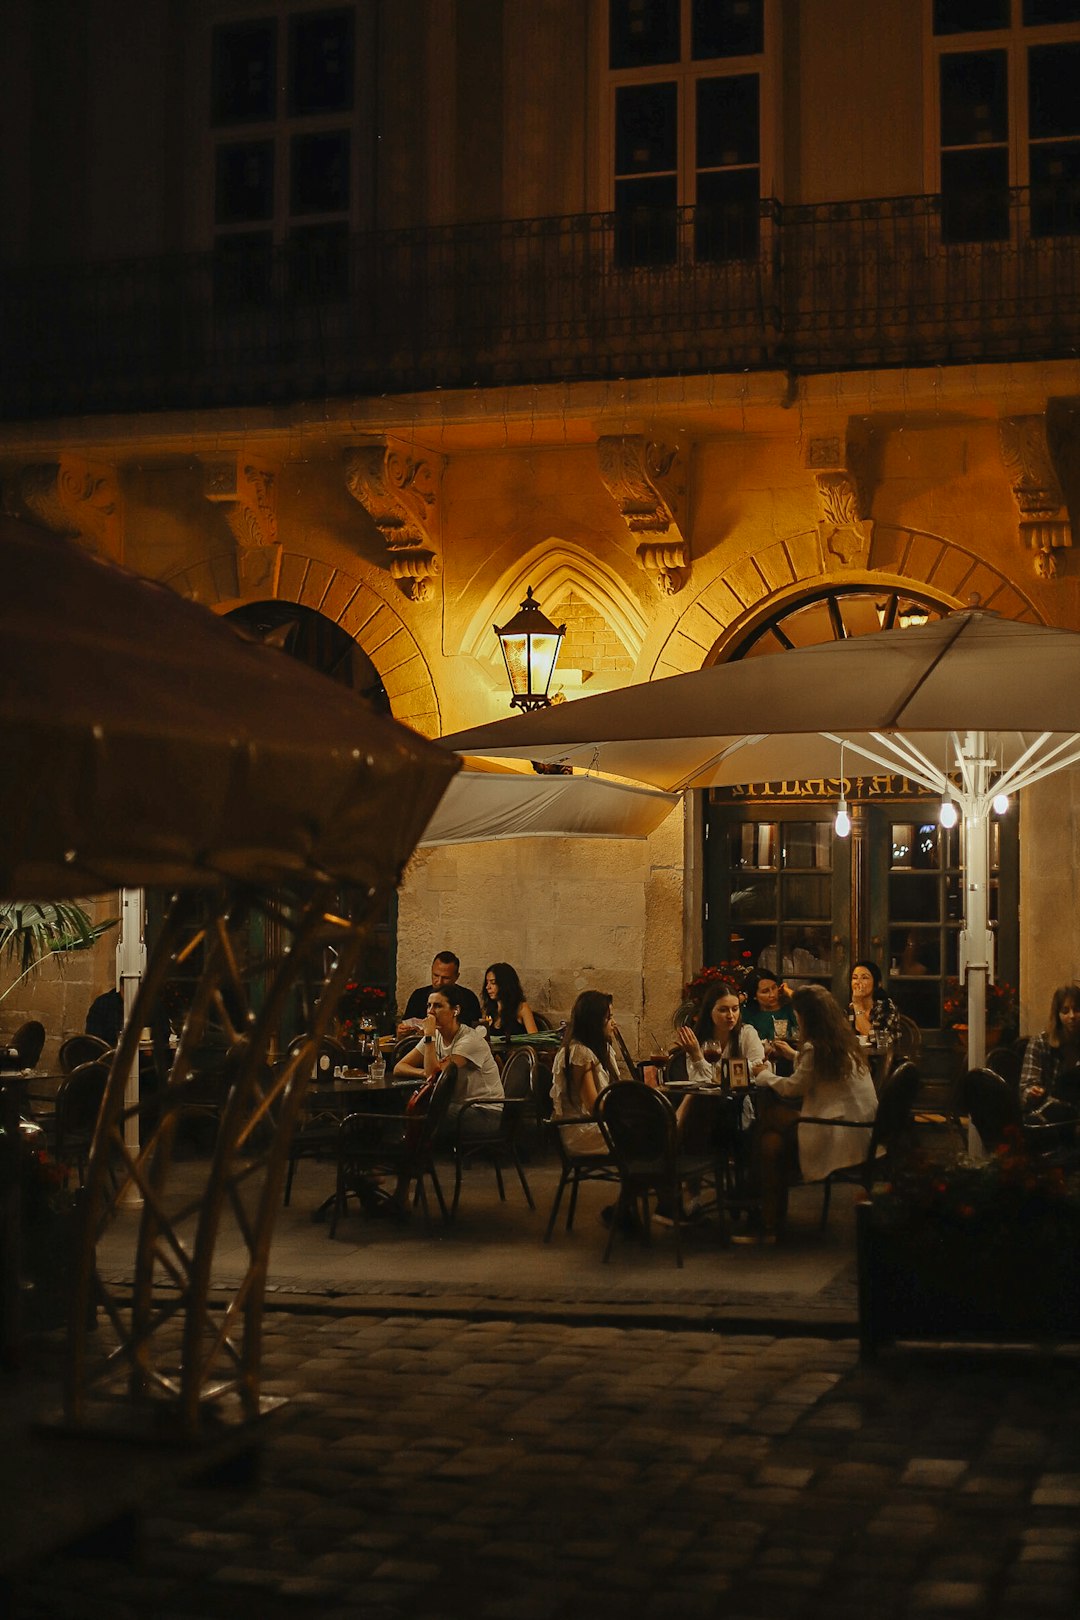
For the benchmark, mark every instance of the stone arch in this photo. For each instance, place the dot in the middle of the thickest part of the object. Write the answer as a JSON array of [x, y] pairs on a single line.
[[351, 602], [757, 584], [553, 568]]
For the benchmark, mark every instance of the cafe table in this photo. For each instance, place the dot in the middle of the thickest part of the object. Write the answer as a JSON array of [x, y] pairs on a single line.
[[356, 1093]]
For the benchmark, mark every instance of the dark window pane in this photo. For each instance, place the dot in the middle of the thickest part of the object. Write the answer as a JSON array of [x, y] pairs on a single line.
[[727, 121], [920, 1001], [753, 899], [643, 32], [755, 844], [321, 62], [806, 953], [1053, 90], [969, 16], [807, 846], [243, 72], [974, 108], [319, 261], [913, 898], [244, 185], [728, 28], [320, 173], [807, 898], [1050, 11], [914, 952], [974, 196], [1055, 190], [645, 128], [243, 269], [646, 221], [727, 219]]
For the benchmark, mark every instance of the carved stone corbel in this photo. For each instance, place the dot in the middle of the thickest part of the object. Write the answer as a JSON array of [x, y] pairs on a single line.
[[73, 497], [643, 479], [246, 491], [1045, 526], [839, 469], [399, 491]]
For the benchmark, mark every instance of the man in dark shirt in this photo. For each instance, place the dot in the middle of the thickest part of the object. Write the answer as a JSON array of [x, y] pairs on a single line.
[[444, 971]]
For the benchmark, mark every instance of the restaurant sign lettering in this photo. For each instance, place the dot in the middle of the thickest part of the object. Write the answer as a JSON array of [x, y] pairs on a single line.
[[820, 789]]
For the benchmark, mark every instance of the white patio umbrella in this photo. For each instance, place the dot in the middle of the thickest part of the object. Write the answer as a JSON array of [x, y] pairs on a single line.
[[498, 804], [967, 706]]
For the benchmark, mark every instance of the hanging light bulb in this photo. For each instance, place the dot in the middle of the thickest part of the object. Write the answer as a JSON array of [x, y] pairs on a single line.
[[1001, 803], [842, 824], [948, 816]]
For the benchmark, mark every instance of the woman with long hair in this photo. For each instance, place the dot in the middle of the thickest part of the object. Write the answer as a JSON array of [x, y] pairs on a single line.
[[872, 1013], [584, 1064], [718, 1035], [1054, 1051], [503, 1006], [833, 1081]]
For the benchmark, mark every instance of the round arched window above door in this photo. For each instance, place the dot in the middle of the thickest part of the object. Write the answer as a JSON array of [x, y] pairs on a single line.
[[835, 615]]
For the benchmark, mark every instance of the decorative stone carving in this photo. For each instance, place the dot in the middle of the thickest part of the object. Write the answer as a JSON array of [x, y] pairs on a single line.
[[1028, 453], [73, 497], [246, 491], [642, 478], [400, 492], [839, 471]]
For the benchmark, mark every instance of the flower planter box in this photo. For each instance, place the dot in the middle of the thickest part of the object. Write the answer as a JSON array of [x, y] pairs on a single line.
[[927, 1278]]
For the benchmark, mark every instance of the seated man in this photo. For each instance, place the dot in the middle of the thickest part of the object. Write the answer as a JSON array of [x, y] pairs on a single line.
[[444, 972]]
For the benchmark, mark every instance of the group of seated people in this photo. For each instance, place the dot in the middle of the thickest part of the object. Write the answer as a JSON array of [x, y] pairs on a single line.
[[792, 1046], [825, 1063], [501, 1009]]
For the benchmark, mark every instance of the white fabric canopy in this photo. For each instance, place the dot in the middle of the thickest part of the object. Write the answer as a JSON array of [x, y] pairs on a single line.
[[971, 704], [481, 805]]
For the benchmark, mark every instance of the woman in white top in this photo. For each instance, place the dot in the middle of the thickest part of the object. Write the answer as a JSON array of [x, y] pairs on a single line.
[[447, 1042], [584, 1064], [833, 1081], [718, 1036]]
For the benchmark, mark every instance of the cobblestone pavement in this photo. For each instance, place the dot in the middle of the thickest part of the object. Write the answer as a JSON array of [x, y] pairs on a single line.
[[437, 1468]]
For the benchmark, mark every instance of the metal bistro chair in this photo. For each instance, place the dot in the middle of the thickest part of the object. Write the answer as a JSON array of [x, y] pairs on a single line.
[[316, 1134], [373, 1145], [78, 1103], [576, 1168], [641, 1127], [992, 1105], [517, 1078], [28, 1041], [891, 1132], [81, 1049]]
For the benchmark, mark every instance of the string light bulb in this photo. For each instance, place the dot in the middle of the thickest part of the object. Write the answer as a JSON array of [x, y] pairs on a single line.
[[842, 824], [948, 815], [1001, 803]]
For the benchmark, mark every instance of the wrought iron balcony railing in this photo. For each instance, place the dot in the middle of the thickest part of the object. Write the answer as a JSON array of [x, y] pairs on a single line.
[[808, 288]]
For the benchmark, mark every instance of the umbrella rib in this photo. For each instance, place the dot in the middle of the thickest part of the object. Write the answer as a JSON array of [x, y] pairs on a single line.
[[895, 722], [1041, 769], [889, 760]]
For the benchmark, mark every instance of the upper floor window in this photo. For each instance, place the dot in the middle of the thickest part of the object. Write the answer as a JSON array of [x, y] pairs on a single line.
[[1008, 115], [283, 110], [685, 88]]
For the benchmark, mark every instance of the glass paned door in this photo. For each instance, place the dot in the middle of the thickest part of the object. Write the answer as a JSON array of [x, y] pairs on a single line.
[[772, 892], [783, 892]]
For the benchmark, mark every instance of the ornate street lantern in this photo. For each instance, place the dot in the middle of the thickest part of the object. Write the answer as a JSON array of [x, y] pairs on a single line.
[[530, 647]]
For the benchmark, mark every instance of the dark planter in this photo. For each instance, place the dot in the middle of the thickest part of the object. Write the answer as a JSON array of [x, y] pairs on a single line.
[[935, 1279]]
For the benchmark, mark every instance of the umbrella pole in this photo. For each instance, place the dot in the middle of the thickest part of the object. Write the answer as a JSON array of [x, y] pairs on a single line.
[[976, 942]]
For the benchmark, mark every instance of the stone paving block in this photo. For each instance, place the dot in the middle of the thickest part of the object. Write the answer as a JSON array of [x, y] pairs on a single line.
[[936, 1473], [1057, 1490]]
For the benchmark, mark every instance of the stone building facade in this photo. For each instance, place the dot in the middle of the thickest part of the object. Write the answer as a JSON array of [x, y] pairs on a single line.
[[692, 317]]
